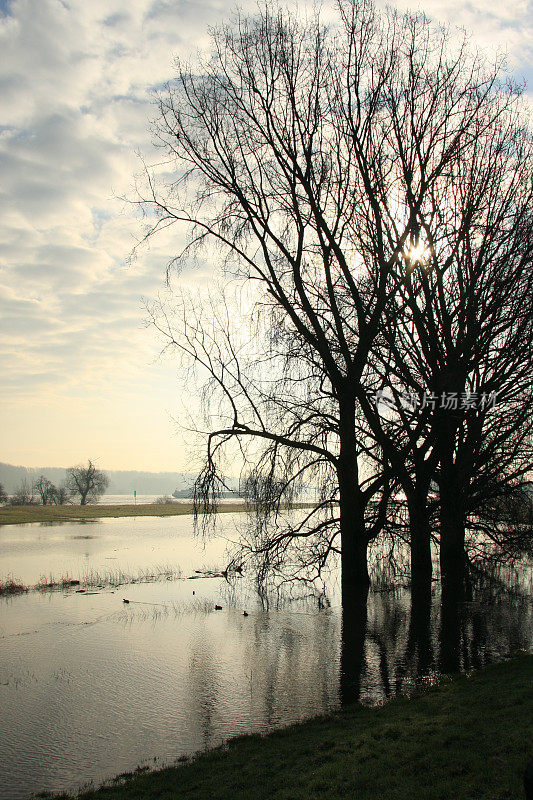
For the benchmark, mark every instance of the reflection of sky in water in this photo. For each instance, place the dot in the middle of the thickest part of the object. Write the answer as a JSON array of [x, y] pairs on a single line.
[[90, 686], [29, 551]]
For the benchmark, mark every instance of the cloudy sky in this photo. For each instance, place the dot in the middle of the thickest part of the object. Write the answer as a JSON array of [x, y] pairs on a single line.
[[80, 372]]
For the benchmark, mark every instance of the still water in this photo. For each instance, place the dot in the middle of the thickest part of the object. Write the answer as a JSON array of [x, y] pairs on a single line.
[[91, 686]]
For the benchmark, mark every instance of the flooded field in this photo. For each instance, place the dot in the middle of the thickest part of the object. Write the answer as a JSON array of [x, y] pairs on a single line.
[[91, 686]]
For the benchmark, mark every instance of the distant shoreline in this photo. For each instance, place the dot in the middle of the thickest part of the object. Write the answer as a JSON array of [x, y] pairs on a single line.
[[13, 515]]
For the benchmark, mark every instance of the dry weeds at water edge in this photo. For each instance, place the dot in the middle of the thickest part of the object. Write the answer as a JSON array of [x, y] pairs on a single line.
[[92, 580], [10, 585]]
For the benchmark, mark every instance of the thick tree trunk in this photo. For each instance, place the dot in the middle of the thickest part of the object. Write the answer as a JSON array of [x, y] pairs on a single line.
[[420, 541], [354, 541], [452, 539], [450, 628], [452, 563], [419, 641], [421, 573], [452, 491], [354, 563]]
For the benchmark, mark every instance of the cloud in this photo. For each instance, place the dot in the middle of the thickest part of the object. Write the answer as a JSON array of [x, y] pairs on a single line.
[[76, 86], [494, 28]]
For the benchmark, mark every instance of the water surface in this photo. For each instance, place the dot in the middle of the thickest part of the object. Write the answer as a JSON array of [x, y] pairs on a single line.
[[91, 686]]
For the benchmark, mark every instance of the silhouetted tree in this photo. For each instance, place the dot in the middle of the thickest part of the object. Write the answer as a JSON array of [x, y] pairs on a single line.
[[461, 335], [313, 157], [89, 483]]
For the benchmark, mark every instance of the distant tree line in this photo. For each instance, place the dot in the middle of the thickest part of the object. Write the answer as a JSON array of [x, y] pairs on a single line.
[[85, 484]]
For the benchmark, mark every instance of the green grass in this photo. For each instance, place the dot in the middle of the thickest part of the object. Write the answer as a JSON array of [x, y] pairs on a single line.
[[466, 738], [11, 515]]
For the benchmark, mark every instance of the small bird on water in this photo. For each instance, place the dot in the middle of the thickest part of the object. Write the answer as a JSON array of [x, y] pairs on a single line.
[[218, 608], [245, 613], [125, 601]]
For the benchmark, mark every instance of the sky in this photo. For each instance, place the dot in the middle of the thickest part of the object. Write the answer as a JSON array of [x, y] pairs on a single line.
[[80, 372]]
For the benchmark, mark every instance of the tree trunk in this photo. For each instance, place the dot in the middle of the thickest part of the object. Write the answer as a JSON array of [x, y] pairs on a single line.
[[420, 542], [452, 491], [452, 538], [421, 573], [419, 642], [354, 564], [450, 629], [354, 541], [452, 561]]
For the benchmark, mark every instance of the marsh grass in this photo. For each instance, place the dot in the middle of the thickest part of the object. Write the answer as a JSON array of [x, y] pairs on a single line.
[[9, 586], [93, 579], [50, 582]]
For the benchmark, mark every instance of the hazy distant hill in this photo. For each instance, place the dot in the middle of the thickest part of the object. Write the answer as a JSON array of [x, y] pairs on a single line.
[[120, 481]]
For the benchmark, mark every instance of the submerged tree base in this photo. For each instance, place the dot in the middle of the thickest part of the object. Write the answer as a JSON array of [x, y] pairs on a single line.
[[463, 739]]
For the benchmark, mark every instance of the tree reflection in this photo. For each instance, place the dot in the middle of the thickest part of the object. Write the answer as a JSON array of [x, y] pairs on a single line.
[[374, 644], [354, 624], [450, 629], [394, 641]]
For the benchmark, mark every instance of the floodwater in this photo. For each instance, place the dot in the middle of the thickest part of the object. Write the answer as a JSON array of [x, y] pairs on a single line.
[[91, 687]]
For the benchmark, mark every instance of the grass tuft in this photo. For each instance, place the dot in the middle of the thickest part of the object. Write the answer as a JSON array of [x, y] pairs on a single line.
[[93, 580], [9, 585]]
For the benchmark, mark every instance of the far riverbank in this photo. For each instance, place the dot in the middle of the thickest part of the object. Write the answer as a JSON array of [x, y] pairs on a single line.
[[13, 515]]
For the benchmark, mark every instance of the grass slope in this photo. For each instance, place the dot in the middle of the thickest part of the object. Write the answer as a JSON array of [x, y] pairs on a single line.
[[467, 738]]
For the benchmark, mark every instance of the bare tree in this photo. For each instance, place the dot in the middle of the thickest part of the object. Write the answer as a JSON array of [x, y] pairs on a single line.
[[461, 334], [3, 494], [88, 482], [45, 489], [60, 495], [309, 157], [23, 495]]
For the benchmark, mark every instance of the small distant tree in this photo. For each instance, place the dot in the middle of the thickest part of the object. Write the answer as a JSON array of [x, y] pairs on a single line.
[[165, 500], [23, 495], [3, 494], [61, 496], [88, 482], [45, 490]]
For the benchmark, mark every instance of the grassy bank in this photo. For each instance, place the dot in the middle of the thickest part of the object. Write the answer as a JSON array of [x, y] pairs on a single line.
[[10, 515], [466, 739]]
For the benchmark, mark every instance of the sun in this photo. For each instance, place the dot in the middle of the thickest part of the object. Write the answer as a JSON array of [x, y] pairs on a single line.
[[417, 253]]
